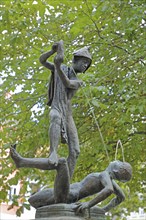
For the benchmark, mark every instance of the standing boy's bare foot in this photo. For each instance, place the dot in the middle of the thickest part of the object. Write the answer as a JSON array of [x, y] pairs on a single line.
[[53, 158], [15, 156]]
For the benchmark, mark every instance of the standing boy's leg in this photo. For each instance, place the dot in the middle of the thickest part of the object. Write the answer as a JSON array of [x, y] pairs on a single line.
[[73, 144], [54, 135]]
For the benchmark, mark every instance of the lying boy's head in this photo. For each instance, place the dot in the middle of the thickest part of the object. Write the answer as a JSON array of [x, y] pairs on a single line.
[[121, 171]]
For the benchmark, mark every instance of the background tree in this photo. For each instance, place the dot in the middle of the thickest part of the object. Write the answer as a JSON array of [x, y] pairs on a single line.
[[110, 105]]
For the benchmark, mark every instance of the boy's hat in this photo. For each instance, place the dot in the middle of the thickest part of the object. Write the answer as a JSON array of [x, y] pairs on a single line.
[[83, 52]]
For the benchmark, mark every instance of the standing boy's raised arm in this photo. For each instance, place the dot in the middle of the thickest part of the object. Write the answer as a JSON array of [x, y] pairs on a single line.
[[43, 58], [58, 60]]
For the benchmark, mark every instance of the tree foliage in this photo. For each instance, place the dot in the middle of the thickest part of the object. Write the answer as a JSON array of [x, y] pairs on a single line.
[[110, 106]]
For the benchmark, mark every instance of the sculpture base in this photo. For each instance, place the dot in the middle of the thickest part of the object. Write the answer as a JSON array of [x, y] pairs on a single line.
[[66, 212]]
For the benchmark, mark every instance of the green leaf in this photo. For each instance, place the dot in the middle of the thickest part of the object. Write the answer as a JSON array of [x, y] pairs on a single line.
[[27, 206], [95, 103]]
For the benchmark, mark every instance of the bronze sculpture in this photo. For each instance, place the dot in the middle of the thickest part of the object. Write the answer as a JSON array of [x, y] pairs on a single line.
[[63, 85]]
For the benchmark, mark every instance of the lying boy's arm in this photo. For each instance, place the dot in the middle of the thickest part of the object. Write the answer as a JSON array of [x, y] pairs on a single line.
[[117, 200], [107, 190]]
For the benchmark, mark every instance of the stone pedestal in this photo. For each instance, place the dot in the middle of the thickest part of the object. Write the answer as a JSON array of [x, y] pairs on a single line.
[[66, 212]]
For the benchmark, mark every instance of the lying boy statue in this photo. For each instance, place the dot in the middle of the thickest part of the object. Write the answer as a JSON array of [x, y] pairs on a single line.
[[103, 184]]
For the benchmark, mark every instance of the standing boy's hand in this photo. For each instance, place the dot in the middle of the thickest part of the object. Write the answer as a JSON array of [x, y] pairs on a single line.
[[60, 53], [55, 47]]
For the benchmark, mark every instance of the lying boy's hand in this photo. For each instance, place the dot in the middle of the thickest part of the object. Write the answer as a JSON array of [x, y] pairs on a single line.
[[81, 206]]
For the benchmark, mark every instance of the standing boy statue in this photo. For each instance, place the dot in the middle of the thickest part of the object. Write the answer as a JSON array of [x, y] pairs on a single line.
[[63, 85]]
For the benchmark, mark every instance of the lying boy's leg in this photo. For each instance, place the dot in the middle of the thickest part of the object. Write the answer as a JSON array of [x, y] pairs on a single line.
[[39, 163]]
